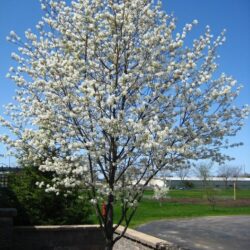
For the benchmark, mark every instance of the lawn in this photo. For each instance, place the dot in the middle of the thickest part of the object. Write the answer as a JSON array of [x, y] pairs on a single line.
[[200, 193], [189, 203]]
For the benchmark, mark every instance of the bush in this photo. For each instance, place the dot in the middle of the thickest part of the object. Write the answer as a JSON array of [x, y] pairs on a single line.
[[35, 206], [188, 184]]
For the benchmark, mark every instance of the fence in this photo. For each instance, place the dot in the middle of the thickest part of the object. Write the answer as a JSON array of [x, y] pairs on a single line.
[[3, 180]]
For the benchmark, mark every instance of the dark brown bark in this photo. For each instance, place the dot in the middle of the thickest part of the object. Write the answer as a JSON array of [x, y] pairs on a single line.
[[109, 231]]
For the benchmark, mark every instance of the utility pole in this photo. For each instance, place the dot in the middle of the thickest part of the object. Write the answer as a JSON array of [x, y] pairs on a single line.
[[234, 190]]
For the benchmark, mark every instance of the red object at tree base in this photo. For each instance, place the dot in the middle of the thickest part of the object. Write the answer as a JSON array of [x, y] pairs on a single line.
[[104, 210]]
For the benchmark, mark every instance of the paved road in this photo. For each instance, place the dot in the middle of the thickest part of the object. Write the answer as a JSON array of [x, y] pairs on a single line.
[[210, 233]]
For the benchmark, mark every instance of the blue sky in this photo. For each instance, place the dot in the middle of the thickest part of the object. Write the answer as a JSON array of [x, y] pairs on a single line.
[[234, 15]]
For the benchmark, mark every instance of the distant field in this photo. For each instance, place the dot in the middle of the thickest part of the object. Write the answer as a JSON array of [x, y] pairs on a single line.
[[190, 203]]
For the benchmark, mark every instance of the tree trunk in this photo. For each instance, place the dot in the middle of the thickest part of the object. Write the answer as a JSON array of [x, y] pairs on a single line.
[[109, 224], [109, 245]]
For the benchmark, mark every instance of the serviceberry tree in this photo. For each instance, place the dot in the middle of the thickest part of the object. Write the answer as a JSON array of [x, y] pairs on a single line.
[[108, 96]]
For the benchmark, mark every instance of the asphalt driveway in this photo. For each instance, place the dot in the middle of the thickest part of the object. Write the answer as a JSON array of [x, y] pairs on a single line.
[[210, 233]]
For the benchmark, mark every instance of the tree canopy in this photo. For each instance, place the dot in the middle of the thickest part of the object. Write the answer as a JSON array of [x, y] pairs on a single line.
[[109, 95]]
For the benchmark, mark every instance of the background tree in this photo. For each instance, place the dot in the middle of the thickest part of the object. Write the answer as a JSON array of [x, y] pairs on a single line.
[[112, 85], [246, 175], [204, 172], [225, 171], [183, 173], [236, 173]]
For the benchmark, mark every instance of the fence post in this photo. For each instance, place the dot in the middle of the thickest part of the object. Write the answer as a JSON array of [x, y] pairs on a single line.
[[6, 227]]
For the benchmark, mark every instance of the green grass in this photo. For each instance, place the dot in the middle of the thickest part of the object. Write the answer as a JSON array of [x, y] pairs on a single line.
[[199, 194], [150, 210]]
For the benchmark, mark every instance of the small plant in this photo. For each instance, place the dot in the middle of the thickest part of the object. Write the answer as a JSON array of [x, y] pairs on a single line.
[[211, 196], [160, 193]]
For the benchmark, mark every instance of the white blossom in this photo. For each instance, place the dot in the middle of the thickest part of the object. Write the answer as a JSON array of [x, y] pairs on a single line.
[[109, 95]]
